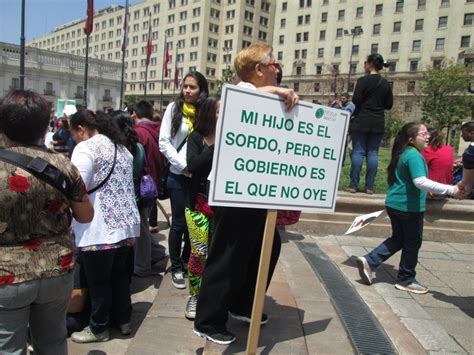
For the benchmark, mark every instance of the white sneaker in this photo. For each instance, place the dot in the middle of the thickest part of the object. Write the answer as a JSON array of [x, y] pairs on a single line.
[[191, 305], [177, 279], [364, 270]]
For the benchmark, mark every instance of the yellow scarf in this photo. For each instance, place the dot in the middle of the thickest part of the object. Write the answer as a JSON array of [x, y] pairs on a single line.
[[189, 115]]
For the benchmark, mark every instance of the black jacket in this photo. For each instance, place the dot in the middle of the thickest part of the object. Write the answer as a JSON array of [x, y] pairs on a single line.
[[372, 96]]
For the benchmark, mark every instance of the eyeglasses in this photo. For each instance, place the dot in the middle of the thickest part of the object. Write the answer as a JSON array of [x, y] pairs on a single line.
[[424, 134]]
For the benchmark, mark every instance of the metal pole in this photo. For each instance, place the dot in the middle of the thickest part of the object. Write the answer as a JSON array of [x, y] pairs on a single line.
[[162, 76], [22, 47], [86, 70], [124, 48], [146, 80]]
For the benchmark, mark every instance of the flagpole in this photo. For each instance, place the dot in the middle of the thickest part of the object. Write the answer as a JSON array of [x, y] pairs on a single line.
[[88, 30], [124, 47], [22, 47], [163, 74], [175, 68]]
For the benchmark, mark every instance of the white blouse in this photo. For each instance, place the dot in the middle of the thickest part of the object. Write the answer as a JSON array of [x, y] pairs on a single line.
[[116, 214]]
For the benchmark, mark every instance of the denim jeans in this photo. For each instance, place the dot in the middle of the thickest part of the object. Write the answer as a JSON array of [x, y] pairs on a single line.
[[109, 287], [178, 188], [364, 146], [43, 305], [407, 235]]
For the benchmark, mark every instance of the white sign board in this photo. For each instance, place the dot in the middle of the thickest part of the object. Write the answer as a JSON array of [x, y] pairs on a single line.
[[265, 157]]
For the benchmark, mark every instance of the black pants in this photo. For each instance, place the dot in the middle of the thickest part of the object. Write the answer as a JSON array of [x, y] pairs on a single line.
[[230, 274], [109, 287], [153, 220]]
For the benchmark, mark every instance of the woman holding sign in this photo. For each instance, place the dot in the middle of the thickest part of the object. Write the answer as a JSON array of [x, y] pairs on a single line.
[[177, 124], [228, 282]]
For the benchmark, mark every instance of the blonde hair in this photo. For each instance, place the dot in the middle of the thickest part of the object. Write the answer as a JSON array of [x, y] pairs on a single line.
[[249, 57]]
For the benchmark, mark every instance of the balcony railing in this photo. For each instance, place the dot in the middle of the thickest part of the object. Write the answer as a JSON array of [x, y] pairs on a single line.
[[107, 98], [49, 92], [78, 95]]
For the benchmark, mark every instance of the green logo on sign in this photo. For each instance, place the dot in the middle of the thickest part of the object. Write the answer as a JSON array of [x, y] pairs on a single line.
[[319, 113]]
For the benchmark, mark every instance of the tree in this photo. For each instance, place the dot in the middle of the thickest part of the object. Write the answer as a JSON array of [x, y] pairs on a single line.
[[446, 101], [131, 100], [227, 77]]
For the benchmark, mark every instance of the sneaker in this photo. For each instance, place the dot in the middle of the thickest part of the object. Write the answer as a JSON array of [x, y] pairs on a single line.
[[247, 317], [190, 311], [125, 329], [352, 190], [364, 270], [223, 338], [86, 336], [369, 191], [177, 279], [414, 287]]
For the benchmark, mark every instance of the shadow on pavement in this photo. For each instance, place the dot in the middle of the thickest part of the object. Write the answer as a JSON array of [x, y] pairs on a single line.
[[140, 284], [287, 236], [465, 304]]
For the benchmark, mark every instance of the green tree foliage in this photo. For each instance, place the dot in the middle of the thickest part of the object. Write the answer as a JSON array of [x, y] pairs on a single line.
[[446, 101], [227, 77], [393, 124], [131, 100]]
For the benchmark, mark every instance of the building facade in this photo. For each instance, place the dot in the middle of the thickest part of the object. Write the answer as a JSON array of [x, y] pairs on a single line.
[[60, 76], [321, 44], [201, 35]]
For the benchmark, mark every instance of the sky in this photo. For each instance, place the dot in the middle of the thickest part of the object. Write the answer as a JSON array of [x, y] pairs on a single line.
[[42, 16]]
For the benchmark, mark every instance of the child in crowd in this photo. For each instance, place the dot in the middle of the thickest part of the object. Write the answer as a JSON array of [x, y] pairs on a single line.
[[198, 213], [405, 204]]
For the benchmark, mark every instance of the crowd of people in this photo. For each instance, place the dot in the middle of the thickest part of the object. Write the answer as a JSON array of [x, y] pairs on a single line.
[[74, 231]]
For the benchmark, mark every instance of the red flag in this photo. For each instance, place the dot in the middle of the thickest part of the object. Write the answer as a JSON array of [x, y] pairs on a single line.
[[125, 28], [176, 71], [149, 47], [88, 26], [167, 60]]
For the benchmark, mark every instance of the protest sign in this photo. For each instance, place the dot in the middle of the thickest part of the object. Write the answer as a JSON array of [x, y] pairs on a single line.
[[268, 158]]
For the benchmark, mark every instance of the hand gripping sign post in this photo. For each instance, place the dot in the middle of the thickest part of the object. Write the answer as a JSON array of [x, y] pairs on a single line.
[[267, 158]]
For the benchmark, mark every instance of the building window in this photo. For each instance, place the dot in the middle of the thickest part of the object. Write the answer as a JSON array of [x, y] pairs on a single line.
[[359, 11], [355, 49], [281, 39], [397, 26], [465, 41], [352, 68], [444, 3], [322, 35], [340, 15], [374, 48], [304, 53], [298, 70], [419, 25], [324, 17], [411, 86], [283, 23], [284, 6], [437, 63], [421, 4], [319, 69], [439, 44], [378, 9], [298, 37], [296, 87], [305, 36], [392, 66], [337, 51], [320, 52], [307, 19], [468, 19], [413, 65], [399, 6], [280, 55], [443, 22], [394, 47], [376, 29], [316, 87], [416, 46], [408, 106], [339, 33]]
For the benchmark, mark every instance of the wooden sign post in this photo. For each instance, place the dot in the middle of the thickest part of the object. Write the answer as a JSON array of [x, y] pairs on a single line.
[[265, 157]]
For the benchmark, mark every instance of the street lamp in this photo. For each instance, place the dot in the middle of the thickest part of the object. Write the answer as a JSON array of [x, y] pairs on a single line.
[[356, 31]]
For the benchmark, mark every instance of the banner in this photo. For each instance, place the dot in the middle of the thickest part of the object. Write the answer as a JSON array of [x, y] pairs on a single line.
[[265, 157]]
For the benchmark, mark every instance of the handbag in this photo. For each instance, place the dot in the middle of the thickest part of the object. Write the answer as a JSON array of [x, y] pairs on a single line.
[[161, 188], [148, 192], [108, 176], [41, 169]]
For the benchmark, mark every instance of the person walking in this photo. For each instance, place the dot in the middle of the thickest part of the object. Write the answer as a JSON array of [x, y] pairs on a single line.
[[176, 125], [229, 278], [372, 96], [36, 249], [198, 212], [104, 244], [405, 203]]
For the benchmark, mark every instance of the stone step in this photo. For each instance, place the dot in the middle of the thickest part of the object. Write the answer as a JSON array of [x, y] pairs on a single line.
[[445, 220]]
